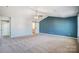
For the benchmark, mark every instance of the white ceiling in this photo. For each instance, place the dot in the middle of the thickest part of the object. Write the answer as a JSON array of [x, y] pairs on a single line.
[[56, 11], [59, 11]]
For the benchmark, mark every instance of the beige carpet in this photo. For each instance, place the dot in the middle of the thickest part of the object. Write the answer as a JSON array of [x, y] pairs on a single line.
[[42, 43]]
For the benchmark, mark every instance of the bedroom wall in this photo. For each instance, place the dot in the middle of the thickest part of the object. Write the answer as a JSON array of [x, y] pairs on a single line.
[[59, 26]]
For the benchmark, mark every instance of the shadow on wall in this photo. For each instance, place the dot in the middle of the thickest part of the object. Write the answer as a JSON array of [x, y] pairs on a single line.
[[59, 26]]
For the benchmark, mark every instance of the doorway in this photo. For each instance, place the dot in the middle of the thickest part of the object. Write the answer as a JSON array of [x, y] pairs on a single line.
[[5, 27], [35, 28]]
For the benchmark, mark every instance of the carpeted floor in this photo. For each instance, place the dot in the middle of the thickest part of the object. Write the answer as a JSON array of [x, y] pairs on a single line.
[[42, 43]]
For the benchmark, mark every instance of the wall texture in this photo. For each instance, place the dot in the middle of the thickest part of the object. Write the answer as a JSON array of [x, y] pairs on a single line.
[[59, 26]]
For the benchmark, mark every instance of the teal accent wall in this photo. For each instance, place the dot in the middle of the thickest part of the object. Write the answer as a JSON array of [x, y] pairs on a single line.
[[78, 26], [59, 26]]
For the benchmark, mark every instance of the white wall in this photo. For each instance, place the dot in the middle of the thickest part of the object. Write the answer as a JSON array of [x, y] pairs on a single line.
[[21, 20], [20, 27]]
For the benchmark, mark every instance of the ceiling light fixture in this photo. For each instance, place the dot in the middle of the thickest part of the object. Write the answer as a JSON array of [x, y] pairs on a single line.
[[37, 15]]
